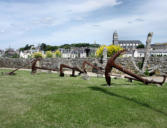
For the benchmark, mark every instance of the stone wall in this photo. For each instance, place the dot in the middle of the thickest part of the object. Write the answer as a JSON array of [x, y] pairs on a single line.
[[55, 62], [161, 62], [50, 62]]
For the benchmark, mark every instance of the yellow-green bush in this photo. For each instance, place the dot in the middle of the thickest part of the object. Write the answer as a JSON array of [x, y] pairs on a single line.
[[57, 53], [112, 49], [49, 54], [37, 55]]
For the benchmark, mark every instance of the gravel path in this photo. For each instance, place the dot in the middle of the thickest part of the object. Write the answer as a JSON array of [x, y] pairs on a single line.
[[156, 78]]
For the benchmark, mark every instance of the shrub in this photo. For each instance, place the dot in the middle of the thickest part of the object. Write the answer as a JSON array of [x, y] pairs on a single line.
[[57, 53], [37, 55], [15, 56], [49, 54], [99, 51], [111, 50], [147, 72], [140, 64]]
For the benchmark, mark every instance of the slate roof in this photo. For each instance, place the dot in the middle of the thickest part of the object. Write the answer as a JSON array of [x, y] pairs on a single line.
[[129, 42], [76, 50], [153, 51], [158, 44]]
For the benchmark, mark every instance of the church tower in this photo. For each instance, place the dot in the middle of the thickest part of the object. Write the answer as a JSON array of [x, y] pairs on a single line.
[[115, 38]]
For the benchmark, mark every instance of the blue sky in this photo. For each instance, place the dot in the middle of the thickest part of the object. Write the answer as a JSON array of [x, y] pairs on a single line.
[[56, 22]]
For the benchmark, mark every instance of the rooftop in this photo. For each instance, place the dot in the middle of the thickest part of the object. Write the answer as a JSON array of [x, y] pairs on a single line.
[[159, 44], [129, 41]]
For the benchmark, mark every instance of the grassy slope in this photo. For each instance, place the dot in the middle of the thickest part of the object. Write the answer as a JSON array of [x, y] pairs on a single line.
[[48, 101]]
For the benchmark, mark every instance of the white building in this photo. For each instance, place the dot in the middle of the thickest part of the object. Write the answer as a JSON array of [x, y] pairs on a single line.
[[141, 53], [1, 53], [77, 52], [28, 53], [25, 54], [159, 52]]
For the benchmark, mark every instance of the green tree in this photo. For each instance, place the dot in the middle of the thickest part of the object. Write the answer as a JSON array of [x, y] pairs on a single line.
[[43, 47], [49, 54], [27, 47], [140, 46]]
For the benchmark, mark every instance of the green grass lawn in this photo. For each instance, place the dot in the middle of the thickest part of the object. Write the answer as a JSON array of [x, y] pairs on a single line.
[[49, 101]]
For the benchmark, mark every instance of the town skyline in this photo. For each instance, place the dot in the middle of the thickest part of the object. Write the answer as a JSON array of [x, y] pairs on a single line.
[[73, 21]]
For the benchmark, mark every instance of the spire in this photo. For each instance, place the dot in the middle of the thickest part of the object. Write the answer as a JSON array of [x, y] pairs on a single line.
[[115, 38], [115, 32]]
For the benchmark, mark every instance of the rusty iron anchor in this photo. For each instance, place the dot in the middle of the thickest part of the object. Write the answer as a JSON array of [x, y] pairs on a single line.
[[34, 67], [111, 64], [69, 67]]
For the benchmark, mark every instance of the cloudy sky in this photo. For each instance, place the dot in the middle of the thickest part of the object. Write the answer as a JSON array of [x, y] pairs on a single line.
[[57, 22]]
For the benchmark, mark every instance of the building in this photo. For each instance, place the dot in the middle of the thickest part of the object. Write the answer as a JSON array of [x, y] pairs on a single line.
[[11, 53], [162, 52], [158, 46], [158, 49], [126, 44], [28, 53], [25, 54], [76, 52], [141, 53], [1, 53]]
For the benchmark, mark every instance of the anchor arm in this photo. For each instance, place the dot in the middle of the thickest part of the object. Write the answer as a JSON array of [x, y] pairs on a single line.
[[93, 66], [111, 64]]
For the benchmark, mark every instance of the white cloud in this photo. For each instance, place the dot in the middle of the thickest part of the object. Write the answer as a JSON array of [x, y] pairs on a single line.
[[19, 18], [150, 17], [52, 14], [91, 5], [16, 19]]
